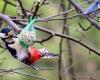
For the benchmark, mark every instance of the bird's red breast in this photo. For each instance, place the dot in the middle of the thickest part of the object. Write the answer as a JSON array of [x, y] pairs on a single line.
[[34, 55]]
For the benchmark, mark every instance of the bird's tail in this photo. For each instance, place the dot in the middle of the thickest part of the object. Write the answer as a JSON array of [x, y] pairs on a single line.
[[46, 54]]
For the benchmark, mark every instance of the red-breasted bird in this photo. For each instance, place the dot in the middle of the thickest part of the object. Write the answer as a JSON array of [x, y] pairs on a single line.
[[28, 56]]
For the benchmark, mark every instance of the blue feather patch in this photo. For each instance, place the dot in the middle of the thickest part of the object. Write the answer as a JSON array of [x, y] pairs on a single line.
[[94, 6]]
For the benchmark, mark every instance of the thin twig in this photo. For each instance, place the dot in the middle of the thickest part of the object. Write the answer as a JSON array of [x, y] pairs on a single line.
[[42, 3], [41, 20], [50, 17], [36, 10], [32, 6], [82, 10], [44, 40], [17, 72], [94, 19], [70, 17], [4, 8], [67, 37], [84, 28], [22, 8], [60, 47], [70, 53], [30, 75], [16, 28], [8, 2]]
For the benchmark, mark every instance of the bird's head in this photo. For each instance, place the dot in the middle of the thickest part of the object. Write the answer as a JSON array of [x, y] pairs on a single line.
[[6, 35]]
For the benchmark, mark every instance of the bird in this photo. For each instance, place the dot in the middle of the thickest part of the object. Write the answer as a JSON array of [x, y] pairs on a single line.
[[27, 56], [93, 7], [7, 36]]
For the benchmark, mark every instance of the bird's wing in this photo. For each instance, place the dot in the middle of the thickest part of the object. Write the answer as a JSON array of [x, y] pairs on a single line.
[[94, 6]]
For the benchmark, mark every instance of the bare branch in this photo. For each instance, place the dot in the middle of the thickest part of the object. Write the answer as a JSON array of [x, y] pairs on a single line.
[[4, 8], [42, 3], [22, 8], [67, 37], [65, 31], [84, 28], [30, 75], [87, 17], [17, 72], [36, 10], [44, 40], [16, 28], [10, 22], [8, 2], [52, 19]]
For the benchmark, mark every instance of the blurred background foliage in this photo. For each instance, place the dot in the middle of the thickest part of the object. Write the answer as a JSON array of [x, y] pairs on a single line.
[[84, 64]]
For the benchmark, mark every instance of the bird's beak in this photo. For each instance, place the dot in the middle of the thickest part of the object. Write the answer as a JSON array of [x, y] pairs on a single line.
[[10, 34]]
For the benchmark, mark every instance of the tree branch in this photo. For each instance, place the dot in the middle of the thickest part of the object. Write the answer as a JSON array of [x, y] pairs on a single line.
[[16, 28], [10, 22], [44, 40], [87, 17], [17, 72], [67, 37], [30, 75], [22, 8], [36, 9], [8, 2]]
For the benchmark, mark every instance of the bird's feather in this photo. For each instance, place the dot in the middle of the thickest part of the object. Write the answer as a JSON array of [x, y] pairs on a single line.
[[94, 6]]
